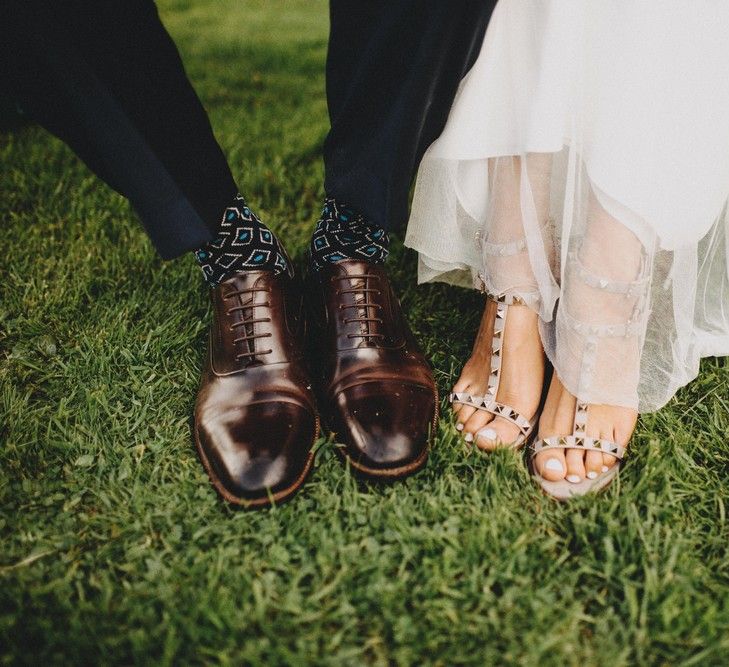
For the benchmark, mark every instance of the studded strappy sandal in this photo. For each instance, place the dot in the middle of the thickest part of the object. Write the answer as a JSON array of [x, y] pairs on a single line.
[[488, 402], [562, 489]]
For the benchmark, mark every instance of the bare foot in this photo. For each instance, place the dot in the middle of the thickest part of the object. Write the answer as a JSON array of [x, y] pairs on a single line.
[[522, 376], [604, 421]]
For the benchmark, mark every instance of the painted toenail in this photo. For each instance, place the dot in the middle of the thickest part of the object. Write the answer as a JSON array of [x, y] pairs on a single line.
[[591, 475], [604, 468], [487, 433], [468, 437], [554, 464], [574, 479], [459, 426]]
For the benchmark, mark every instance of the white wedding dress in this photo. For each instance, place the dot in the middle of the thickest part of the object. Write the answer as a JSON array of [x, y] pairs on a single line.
[[585, 167]]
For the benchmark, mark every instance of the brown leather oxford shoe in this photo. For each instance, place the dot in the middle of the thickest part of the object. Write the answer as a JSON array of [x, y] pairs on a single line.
[[377, 390], [255, 415]]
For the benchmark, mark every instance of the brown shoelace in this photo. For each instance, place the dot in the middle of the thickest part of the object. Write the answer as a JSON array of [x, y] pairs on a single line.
[[361, 316], [248, 321]]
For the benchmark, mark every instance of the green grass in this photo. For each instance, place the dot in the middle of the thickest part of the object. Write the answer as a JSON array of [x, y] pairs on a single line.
[[114, 548]]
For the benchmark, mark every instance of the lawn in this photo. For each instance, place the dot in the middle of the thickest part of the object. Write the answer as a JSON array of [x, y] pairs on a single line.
[[114, 548]]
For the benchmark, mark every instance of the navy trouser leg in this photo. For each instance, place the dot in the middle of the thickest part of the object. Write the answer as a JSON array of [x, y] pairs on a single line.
[[106, 78], [393, 69]]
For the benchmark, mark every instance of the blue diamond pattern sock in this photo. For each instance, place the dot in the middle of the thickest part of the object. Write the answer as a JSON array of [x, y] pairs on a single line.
[[343, 233], [243, 243]]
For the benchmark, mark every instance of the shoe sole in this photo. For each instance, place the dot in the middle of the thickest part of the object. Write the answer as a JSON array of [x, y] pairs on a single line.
[[271, 499], [392, 474]]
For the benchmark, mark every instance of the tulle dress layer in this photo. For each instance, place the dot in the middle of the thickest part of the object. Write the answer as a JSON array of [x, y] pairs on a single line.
[[585, 167]]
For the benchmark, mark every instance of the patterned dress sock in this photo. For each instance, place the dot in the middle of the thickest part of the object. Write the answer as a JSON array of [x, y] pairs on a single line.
[[243, 243], [343, 233]]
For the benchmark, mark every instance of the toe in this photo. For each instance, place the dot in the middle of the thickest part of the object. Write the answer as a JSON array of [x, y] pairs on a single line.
[[478, 420], [498, 433], [463, 415], [460, 410], [608, 461], [456, 409], [624, 426], [487, 438], [551, 464], [575, 466], [593, 464]]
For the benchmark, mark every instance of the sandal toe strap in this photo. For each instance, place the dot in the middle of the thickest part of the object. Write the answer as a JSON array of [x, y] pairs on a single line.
[[488, 404], [578, 442]]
